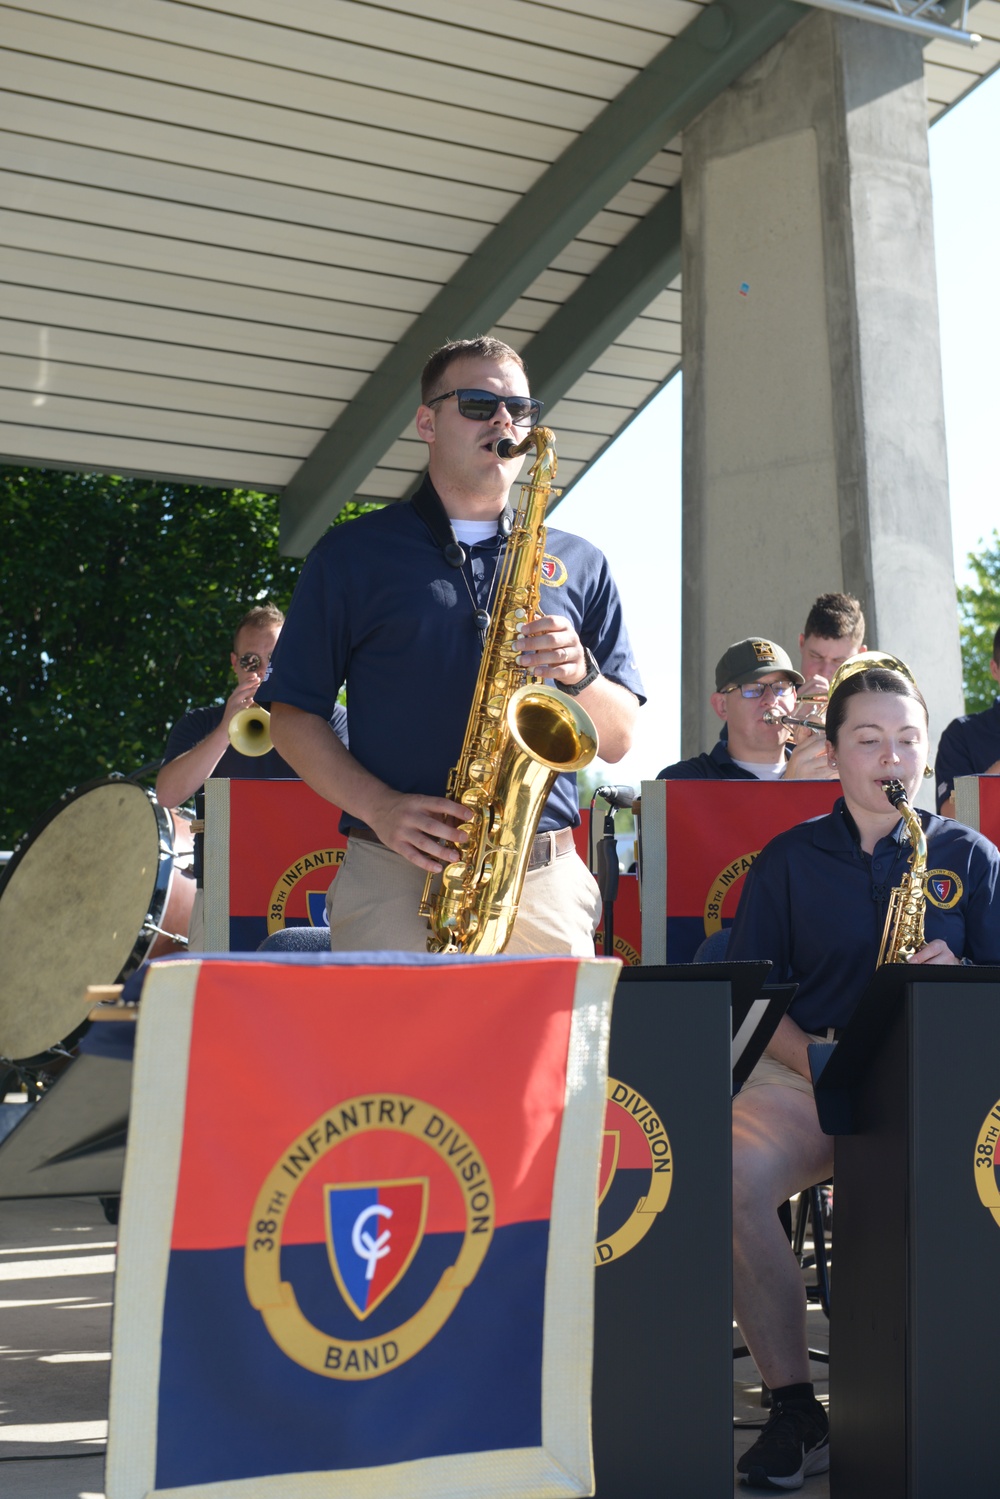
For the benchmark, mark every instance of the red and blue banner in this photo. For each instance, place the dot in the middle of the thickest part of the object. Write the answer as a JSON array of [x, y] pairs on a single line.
[[698, 840], [358, 1226], [273, 848]]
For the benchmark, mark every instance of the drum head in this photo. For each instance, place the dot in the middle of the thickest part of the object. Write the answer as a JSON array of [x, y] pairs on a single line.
[[73, 902]]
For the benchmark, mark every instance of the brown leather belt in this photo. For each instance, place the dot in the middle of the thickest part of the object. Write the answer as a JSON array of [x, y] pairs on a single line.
[[544, 848]]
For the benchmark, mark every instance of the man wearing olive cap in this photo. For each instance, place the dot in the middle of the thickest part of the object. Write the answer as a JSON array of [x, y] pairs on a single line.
[[753, 677]]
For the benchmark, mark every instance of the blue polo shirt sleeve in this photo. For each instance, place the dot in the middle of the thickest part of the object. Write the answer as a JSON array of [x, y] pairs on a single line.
[[953, 759], [982, 908], [605, 632], [968, 747], [762, 927], [196, 725], [309, 665]]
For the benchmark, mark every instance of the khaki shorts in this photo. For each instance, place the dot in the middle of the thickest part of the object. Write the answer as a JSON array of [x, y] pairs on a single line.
[[770, 1073], [373, 905]]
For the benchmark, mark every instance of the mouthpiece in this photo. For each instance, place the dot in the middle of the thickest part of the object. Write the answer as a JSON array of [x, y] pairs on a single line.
[[770, 717], [505, 447], [895, 791]]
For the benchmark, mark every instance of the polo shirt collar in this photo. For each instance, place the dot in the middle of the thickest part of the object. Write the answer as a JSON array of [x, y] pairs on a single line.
[[840, 831], [429, 506]]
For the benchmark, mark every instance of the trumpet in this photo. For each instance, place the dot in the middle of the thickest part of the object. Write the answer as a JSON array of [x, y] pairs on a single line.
[[250, 731], [787, 721]]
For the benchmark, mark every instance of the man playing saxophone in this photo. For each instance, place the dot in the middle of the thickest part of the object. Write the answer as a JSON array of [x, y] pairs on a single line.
[[397, 604]]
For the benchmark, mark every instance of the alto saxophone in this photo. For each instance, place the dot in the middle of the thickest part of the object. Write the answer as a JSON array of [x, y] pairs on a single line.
[[903, 934], [520, 735]]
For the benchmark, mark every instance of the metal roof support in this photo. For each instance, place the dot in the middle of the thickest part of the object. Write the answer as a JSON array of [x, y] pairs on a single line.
[[903, 18], [659, 102]]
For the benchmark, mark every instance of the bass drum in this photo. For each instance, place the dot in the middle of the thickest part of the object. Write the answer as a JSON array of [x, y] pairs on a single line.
[[94, 888]]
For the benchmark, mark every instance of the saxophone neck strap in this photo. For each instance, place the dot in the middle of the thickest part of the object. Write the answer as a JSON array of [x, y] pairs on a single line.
[[428, 504]]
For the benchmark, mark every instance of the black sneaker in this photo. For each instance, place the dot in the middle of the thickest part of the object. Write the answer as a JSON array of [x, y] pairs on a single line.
[[794, 1443]]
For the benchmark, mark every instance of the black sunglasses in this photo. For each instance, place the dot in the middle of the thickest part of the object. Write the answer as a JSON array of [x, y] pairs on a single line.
[[480, 405]]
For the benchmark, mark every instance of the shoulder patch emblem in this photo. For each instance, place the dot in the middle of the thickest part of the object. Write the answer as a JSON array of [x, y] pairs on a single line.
[[944, 888], [553, 571]]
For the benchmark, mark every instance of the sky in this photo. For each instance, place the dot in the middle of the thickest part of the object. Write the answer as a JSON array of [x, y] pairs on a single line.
[[644, 464]]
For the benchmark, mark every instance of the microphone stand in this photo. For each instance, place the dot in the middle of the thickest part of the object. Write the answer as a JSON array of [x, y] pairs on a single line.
[[607, 879]]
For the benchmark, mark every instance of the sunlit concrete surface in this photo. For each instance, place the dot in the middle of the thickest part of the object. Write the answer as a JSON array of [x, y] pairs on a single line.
[[56, 1268]]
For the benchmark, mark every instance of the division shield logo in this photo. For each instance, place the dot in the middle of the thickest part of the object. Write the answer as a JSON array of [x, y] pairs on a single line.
[[373, 1230], [944, 888]]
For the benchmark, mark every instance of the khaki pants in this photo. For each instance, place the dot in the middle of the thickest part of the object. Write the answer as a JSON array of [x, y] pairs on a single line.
[[373, 905]]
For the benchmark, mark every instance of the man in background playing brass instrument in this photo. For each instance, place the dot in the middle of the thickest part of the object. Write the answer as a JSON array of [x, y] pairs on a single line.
[[755, 689], [198, 746], [397, 604]]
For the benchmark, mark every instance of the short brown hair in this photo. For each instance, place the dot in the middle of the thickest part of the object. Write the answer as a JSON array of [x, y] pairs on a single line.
[[483, 347], [835, 616], [262, 617]]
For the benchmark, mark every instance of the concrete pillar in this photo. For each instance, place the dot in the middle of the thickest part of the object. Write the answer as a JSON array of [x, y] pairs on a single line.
[[814, 447]]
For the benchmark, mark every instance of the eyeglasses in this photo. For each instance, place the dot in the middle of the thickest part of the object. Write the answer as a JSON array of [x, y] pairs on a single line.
[[480, 405], [757, 689]]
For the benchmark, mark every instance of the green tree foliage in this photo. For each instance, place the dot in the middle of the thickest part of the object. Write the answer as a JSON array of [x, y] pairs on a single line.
[[119, 601], [979, 619]]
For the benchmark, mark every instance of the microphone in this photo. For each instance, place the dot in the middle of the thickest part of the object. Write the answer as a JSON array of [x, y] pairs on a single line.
[[616, 796]]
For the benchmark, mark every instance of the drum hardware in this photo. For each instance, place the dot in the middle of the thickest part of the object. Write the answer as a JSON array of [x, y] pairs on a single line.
[[106, 920]]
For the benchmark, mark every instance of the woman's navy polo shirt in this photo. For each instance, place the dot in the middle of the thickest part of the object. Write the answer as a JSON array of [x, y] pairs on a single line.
[[815, 904], [379, 608]]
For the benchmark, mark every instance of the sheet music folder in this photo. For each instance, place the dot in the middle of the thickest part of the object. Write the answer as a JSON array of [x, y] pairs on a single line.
[[839, 1067]]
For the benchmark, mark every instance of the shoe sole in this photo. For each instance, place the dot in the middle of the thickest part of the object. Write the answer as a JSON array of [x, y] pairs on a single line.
[[816, 1460]]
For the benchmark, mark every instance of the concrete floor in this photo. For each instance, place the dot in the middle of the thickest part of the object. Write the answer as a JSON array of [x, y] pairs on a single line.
[[56, 1268]]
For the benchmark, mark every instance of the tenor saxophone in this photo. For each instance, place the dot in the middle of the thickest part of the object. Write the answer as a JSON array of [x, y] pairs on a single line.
[[520, 735], [903, 934]]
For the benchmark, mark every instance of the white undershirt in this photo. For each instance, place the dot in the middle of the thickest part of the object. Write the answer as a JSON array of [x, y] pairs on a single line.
[[471, 531], [764, 772]]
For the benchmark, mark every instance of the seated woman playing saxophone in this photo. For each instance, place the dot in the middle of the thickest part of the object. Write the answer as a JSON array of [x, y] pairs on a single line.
[[815, 904]]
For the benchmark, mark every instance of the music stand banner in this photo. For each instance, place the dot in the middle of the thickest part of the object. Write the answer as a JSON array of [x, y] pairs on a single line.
[[699, 838], [977, 804], [357, 1243], [272, 849]]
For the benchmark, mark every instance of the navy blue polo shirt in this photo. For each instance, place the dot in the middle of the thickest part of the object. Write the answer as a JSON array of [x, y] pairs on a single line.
[[815, 904], [717, 765], [378, 607], [969, 746]]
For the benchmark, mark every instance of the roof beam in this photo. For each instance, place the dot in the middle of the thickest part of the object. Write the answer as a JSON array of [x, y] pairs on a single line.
[[659, 102], [613, 295], [601, 308]]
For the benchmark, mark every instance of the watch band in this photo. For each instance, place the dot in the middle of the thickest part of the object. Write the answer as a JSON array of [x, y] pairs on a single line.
[[593, 672]]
